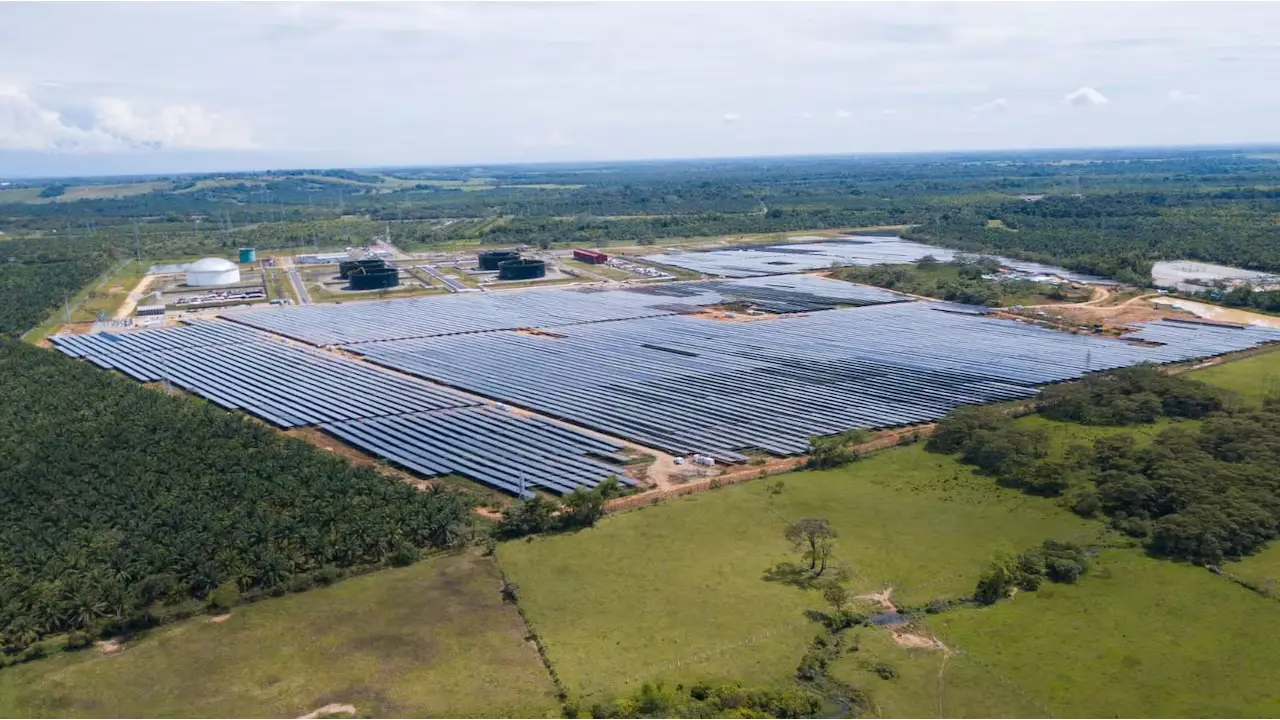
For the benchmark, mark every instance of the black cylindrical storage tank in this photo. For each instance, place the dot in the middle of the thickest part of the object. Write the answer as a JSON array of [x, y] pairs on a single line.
[[374, 278], [346, 266], [491, 259], [522, 269]]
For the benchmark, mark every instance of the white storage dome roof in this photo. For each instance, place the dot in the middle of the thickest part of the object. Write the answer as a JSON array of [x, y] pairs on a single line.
[[208, 265]]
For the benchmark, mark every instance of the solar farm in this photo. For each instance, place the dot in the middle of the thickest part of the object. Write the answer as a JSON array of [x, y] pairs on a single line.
[[547, 389], [763, 260]]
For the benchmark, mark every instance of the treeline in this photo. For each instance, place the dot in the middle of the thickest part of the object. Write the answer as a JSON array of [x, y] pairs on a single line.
[[117, 502], [1203, 494], [960, 281]]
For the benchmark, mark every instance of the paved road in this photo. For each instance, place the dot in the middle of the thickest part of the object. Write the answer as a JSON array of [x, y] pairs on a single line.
[[295, 279]]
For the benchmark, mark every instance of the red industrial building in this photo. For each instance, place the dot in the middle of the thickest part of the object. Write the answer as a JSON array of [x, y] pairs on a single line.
[[590, 257]]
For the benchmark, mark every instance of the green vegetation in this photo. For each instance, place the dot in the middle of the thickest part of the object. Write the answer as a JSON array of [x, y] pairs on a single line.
[[960, 281], [1252, 378], [1136, 637], [1204, 494], [691, 572], [430, 640], [579, 509], [1261, 571], [120, 500]]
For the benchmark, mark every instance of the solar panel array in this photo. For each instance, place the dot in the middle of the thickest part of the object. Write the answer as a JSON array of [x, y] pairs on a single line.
[[286, 385], [759, 260], [657, 375], [199, 334], [493, 446], [351, 323], [690, 384], [423, 427]]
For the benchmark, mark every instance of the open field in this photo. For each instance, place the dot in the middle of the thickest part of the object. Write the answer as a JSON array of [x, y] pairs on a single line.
[[1261, 569], [688, 573], [1136, 637], [929, 683], [1252, 377], [430, 640], [107, 295]]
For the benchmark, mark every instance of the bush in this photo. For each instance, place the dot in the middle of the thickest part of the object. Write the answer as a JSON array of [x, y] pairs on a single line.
[[77, 641], [225, 596], [885, 671], [403, 554]]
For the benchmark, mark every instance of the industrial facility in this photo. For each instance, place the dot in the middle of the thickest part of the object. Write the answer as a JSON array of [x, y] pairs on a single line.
[[373, 277], [212, 272], [522, 269], [591, 257], [490, 260]]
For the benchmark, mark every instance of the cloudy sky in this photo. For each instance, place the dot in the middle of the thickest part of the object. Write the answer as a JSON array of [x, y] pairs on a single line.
[[203, 85]]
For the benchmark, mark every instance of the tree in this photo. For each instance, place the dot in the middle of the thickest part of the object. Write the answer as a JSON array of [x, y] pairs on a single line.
[[814, 537], [836, 596], [583, 507]]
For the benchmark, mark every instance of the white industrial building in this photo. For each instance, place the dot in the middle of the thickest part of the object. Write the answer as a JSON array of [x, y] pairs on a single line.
[[212, 271]]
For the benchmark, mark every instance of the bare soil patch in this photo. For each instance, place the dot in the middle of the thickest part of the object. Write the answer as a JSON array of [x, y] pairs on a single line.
[[108, 647], [329, 710], [220, 618]]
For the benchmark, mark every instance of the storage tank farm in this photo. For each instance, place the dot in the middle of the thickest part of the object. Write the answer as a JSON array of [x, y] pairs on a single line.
[[491, 259], [374, 278], [248, 255], [346, 266], [522, 269]]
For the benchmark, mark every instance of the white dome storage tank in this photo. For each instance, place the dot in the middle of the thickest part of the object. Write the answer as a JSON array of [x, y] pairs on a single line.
[[212, 271]]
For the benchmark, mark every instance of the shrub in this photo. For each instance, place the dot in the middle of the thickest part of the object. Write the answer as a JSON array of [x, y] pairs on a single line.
[[225, 596]]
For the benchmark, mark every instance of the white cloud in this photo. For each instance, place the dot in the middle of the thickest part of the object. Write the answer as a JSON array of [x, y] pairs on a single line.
[[1181, 96], [115, 125], [732, 118], [467, 82], [997, 105], [889, 111], [1084, 97], [806, 115], [185, 127]]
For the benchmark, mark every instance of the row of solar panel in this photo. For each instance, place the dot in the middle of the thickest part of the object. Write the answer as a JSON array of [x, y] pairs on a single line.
[[286, 385], [495, 447], [688, 384], [351, 323], [197, 334]]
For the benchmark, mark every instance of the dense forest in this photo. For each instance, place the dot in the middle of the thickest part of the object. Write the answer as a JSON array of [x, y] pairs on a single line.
[[1205, 492], [120, 500], [1109, 212]]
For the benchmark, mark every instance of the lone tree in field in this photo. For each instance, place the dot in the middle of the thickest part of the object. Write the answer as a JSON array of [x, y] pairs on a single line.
[[815, 538]]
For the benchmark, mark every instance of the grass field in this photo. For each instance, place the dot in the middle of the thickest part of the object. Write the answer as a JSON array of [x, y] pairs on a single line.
[[682, 582], [1262, 569], [430, 640], [1252, 377], [107, 295], [929, 683], [1137, 637]]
